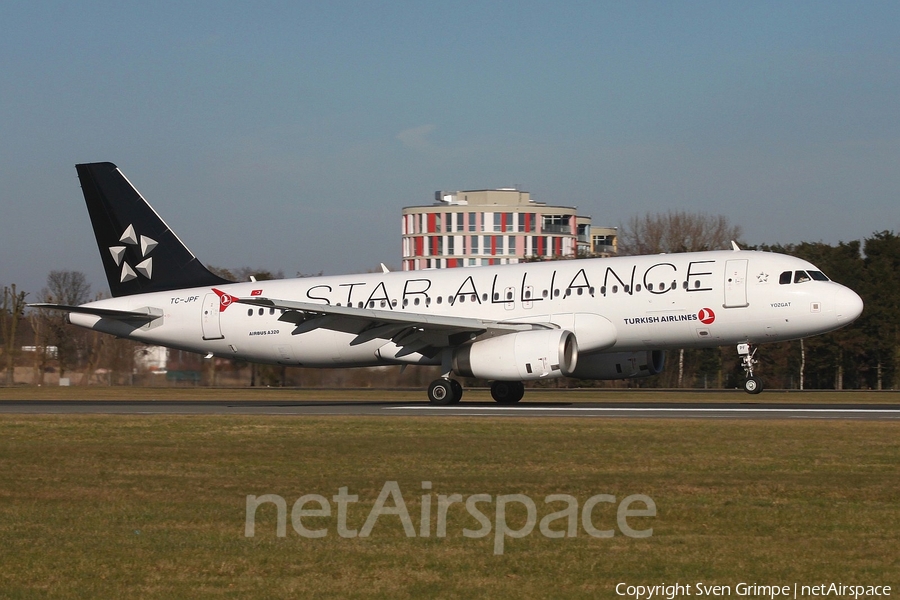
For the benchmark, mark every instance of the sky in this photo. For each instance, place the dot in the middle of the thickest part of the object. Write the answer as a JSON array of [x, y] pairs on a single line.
[[289, 135]]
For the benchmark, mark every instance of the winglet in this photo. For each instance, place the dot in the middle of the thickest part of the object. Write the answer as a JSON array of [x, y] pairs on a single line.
[[384, 269], [735, 246]]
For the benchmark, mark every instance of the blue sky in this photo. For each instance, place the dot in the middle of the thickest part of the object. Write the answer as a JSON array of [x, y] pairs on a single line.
[[289, 135]]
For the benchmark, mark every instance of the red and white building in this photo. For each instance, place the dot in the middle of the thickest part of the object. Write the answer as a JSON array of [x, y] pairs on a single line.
[[490, 227]]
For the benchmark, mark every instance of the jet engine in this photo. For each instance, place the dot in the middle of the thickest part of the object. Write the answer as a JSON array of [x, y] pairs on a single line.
[[620, 365], [519, 356]]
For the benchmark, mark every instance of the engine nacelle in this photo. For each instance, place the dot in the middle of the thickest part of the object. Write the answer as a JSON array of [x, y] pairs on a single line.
[[620, 365], [519, 356]]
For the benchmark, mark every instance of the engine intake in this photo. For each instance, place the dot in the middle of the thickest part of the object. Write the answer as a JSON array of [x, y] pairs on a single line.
[[519, 356]]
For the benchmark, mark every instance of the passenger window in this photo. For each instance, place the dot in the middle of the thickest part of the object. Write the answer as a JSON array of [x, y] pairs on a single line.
[[801, 277], [785, 278]]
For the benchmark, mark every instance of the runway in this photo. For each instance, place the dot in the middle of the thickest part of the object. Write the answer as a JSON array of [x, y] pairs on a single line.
[[579, 410]]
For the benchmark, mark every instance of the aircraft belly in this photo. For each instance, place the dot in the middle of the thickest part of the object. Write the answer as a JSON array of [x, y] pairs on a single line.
[[326, 347]]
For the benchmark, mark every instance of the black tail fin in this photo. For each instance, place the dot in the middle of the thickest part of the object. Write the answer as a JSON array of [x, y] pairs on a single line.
[[140, 253]]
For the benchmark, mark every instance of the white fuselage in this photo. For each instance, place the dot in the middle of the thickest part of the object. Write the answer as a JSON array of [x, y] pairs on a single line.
[[659, 302]]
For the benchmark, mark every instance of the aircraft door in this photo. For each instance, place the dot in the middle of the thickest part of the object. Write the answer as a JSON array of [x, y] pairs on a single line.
[[736, 283], [212, 329]]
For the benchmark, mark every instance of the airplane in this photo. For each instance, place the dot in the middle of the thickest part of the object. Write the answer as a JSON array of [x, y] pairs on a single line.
[[599, 318]]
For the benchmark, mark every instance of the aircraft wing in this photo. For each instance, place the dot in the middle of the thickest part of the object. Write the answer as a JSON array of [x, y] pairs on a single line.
[[408, 329]]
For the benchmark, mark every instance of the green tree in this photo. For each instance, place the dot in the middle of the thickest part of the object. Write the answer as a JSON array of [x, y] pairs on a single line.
[[880, 289]]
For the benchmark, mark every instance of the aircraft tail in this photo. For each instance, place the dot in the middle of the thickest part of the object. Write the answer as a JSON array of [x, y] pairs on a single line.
[[140, 253]]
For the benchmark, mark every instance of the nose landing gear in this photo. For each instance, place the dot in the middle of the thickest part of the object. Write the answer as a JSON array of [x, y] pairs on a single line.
[[752, 385]]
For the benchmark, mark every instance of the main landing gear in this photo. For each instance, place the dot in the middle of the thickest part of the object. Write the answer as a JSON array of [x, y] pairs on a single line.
[[752, 385], [446, 391], [507, 392]]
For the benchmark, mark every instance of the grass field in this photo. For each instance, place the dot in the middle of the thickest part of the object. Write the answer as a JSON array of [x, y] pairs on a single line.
[[155, 506]]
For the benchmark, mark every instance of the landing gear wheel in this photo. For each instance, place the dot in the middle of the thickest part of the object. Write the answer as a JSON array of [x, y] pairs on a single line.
[[457, 390], [441, 392], [753, 385], [507, 392]]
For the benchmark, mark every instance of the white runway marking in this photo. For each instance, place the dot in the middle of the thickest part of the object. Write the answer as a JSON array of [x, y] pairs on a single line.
[[514, 409]]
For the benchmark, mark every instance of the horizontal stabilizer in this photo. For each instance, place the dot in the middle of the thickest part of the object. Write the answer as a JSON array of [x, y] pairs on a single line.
[[108, 313]]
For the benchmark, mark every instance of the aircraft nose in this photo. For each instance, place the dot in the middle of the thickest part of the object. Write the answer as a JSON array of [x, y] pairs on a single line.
[[847, 305]]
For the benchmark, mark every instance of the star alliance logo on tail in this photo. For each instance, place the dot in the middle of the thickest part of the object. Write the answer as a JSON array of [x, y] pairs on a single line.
[[143, 268]]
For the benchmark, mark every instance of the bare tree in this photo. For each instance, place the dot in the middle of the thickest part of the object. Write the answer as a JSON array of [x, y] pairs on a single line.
[[70, 288], [11, 310], [676, 231]]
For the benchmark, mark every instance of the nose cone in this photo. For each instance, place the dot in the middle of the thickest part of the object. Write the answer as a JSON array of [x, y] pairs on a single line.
[[847, 305]]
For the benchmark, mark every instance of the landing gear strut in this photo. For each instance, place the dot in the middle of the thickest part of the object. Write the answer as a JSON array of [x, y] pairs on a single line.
[[752, 385], [444, 392], [507, 392]]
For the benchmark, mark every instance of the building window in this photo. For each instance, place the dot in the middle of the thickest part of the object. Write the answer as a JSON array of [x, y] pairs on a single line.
[[472, 225], [556, 224]]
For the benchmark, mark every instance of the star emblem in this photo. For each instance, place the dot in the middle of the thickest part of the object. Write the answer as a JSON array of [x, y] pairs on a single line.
[[762, 278], [142, 244]]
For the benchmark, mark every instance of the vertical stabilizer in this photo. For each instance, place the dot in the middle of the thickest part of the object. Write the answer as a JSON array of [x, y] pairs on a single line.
[[140, 253]]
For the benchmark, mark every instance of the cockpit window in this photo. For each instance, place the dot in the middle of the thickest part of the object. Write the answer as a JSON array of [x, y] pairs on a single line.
[[785, 277], [801, 277], [818, 275]]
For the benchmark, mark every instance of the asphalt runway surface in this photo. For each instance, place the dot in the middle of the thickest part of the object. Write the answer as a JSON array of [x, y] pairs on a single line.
[[643, 410]]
